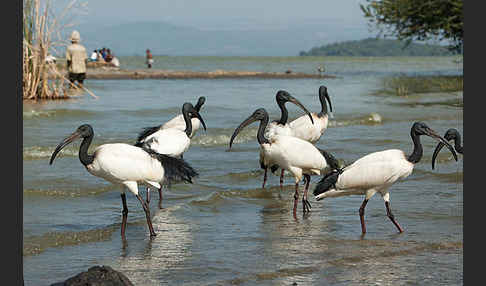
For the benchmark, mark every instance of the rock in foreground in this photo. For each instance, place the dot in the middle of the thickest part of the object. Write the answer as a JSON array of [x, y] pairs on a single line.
[[97, 276]]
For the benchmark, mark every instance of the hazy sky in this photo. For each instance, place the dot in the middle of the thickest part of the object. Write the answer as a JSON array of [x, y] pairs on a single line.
[[219, 14]]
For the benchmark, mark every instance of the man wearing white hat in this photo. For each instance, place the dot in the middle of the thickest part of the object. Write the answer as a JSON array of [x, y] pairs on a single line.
[[76, 59]]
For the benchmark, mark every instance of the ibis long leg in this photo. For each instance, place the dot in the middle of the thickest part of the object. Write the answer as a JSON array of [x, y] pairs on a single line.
[[264, 178], [124, 214], [392, 217], [361, 216], [305, 203], [147, 215]]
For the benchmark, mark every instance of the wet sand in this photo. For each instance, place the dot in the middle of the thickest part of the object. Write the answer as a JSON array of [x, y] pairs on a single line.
[[115, 73]]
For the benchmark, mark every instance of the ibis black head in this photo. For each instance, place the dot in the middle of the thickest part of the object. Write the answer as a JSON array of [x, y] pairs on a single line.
[[188, 111], [420, 128], [282, 97], [451, 134], [259, 115], [200, 103], [323, 96], [84, 131]]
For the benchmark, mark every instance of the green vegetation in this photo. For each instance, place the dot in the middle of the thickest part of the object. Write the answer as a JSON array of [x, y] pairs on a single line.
[[406, 85], [372, 47], [418, 20]]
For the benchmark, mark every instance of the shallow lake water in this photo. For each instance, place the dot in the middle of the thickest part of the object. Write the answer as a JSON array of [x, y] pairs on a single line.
[[225, 229]]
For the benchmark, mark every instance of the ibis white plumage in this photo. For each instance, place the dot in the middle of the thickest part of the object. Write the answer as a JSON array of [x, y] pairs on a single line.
[[312, 131], [293, 154], [179, 122], [170, 141], [280, 127], [127, 165], [376, 173], [451, 134]]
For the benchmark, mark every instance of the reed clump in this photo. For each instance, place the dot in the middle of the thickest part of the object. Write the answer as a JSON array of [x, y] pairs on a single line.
[[406, 85], [41, 36]]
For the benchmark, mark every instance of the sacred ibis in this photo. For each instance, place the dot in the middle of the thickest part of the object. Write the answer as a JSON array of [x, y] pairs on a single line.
[[293, 154], [170, 141], [302, 128], [179, 122], [127, 165], [376, 173], [281, 127], [451, 134]]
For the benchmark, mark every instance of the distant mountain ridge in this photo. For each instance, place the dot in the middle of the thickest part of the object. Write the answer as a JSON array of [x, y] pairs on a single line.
[[372, 47], [163, 38]]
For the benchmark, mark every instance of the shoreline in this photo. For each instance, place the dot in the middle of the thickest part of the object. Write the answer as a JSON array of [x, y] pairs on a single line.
[[116, 73]]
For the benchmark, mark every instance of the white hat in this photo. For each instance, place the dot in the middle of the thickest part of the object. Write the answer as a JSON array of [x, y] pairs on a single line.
[[75, 36]]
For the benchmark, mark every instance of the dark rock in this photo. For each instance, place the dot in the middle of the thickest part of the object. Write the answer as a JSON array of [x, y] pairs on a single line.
[[97, 276]]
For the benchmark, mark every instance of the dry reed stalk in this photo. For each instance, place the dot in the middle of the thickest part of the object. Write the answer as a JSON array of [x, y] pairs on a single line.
[[39, 26]]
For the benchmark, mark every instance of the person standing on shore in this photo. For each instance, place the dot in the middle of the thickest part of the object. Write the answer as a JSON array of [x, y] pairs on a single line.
[[76, 59], [150, 59]]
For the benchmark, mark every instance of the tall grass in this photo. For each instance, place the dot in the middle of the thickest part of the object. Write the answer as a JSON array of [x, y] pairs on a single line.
[[406, 85], [41, 35]]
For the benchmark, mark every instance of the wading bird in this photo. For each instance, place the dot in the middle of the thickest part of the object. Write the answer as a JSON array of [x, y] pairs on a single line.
[[126, 165], [293, 154], [281, 127], [312, 132], [179, 122], [376, 173], [451, 134], [170, 141]]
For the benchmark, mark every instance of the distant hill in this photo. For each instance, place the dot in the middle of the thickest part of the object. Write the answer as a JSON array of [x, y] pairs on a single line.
[[163, 38], [372, 47]]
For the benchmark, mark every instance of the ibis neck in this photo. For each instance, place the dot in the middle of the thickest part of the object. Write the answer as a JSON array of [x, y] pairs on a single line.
[[417, 149], [457, 145], [84, 157], [261, 131], [188, 121], [285, 114], [323, 108]]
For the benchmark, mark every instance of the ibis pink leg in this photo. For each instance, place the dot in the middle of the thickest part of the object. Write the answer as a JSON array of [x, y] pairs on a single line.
[[296, 198], [392, 217], [147, 215], [361, 216]]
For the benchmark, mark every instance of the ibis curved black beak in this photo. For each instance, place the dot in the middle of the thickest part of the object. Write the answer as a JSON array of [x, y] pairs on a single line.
[[198, 116], [442, 141], [63, 144], [436, 152], [200, 103], [297, 102], [328, 100], [245, 123]]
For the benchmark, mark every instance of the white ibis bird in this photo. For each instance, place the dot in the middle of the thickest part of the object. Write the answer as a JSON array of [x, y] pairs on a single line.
[[170, 141], [127, 165], [293, 154], [451, 134], [376, 173], [281, 127], [179, 122], [312, 132]]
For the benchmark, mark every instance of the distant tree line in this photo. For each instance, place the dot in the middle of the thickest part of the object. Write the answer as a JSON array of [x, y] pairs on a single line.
[[372, 47]]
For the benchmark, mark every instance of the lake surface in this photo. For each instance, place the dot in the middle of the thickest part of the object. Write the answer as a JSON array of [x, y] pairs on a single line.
[[225, 229]]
